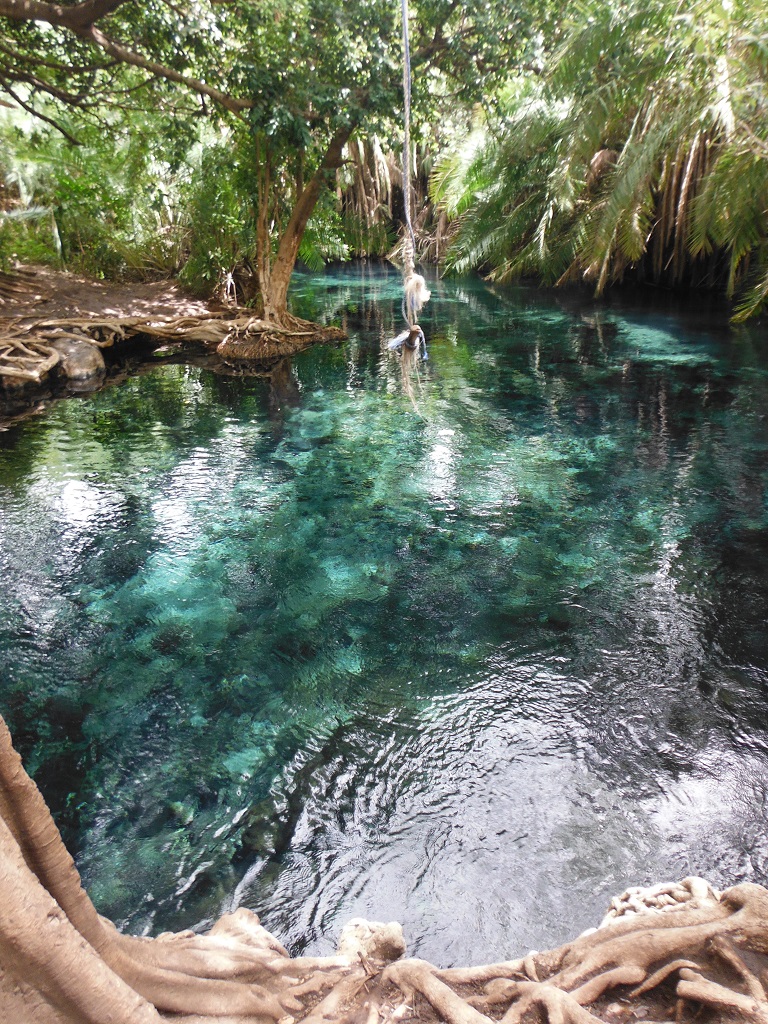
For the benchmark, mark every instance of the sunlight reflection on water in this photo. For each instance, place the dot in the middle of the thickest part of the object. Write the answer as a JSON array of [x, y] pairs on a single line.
[[474, 650]]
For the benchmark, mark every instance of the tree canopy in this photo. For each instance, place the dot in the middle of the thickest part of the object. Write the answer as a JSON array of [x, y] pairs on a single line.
[[588, 143], [283, 85]]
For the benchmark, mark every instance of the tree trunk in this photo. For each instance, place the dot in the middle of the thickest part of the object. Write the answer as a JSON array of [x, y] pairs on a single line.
[[48, 971], [275, 300]]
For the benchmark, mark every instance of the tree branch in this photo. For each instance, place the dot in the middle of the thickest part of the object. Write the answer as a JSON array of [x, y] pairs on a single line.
[[80, 16], [36, 113], [70, 99], [122, 53], [81, 19]]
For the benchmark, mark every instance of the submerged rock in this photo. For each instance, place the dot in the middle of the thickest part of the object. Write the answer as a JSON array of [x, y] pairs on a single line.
[[80, 360]]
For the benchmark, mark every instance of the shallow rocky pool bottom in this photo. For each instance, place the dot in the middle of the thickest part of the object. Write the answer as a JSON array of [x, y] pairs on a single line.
[[473, 647]]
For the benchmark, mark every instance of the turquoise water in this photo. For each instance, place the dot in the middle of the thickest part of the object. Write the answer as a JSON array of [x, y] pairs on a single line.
[[473, 647]]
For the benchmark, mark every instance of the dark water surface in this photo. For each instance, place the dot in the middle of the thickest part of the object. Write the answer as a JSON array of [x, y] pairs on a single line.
[[473, 651]]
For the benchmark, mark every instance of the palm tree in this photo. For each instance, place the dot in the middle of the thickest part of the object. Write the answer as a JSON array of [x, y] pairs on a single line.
[[640, 149]]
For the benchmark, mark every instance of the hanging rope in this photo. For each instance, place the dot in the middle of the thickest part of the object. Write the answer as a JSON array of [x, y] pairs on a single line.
[[415, 289], [409, 245]]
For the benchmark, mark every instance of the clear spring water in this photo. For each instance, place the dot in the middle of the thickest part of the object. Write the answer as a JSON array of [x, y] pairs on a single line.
[[473, 649]]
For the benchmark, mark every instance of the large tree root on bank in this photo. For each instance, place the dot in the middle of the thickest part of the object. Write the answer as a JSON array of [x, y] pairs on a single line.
[[20, 283], [684, 953], [26, 352]]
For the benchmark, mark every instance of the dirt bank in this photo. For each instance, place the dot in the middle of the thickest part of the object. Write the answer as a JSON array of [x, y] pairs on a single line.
[[41, 292]]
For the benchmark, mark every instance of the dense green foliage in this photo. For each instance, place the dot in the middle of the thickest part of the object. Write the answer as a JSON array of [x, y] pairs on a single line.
[[623, 138], [269, 91], [107, 207], [640, 148]]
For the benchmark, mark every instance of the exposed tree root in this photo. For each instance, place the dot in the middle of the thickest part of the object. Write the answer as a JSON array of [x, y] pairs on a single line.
[[264, 341], [26, 359], [236, 335], [19, 283], [696, 955]]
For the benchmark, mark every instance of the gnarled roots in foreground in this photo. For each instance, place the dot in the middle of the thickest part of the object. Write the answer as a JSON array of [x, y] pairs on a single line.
[[700, 956], [28, 346]]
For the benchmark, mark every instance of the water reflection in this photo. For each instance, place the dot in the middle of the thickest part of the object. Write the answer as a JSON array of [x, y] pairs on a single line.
[[480, 644]]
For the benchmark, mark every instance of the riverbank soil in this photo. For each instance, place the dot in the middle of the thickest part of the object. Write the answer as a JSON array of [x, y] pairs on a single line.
[[42, 293], [41, 308], [700, 957]]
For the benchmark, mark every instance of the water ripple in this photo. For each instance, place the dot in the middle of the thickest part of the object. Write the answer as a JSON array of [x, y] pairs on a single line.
[[474, 651]]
